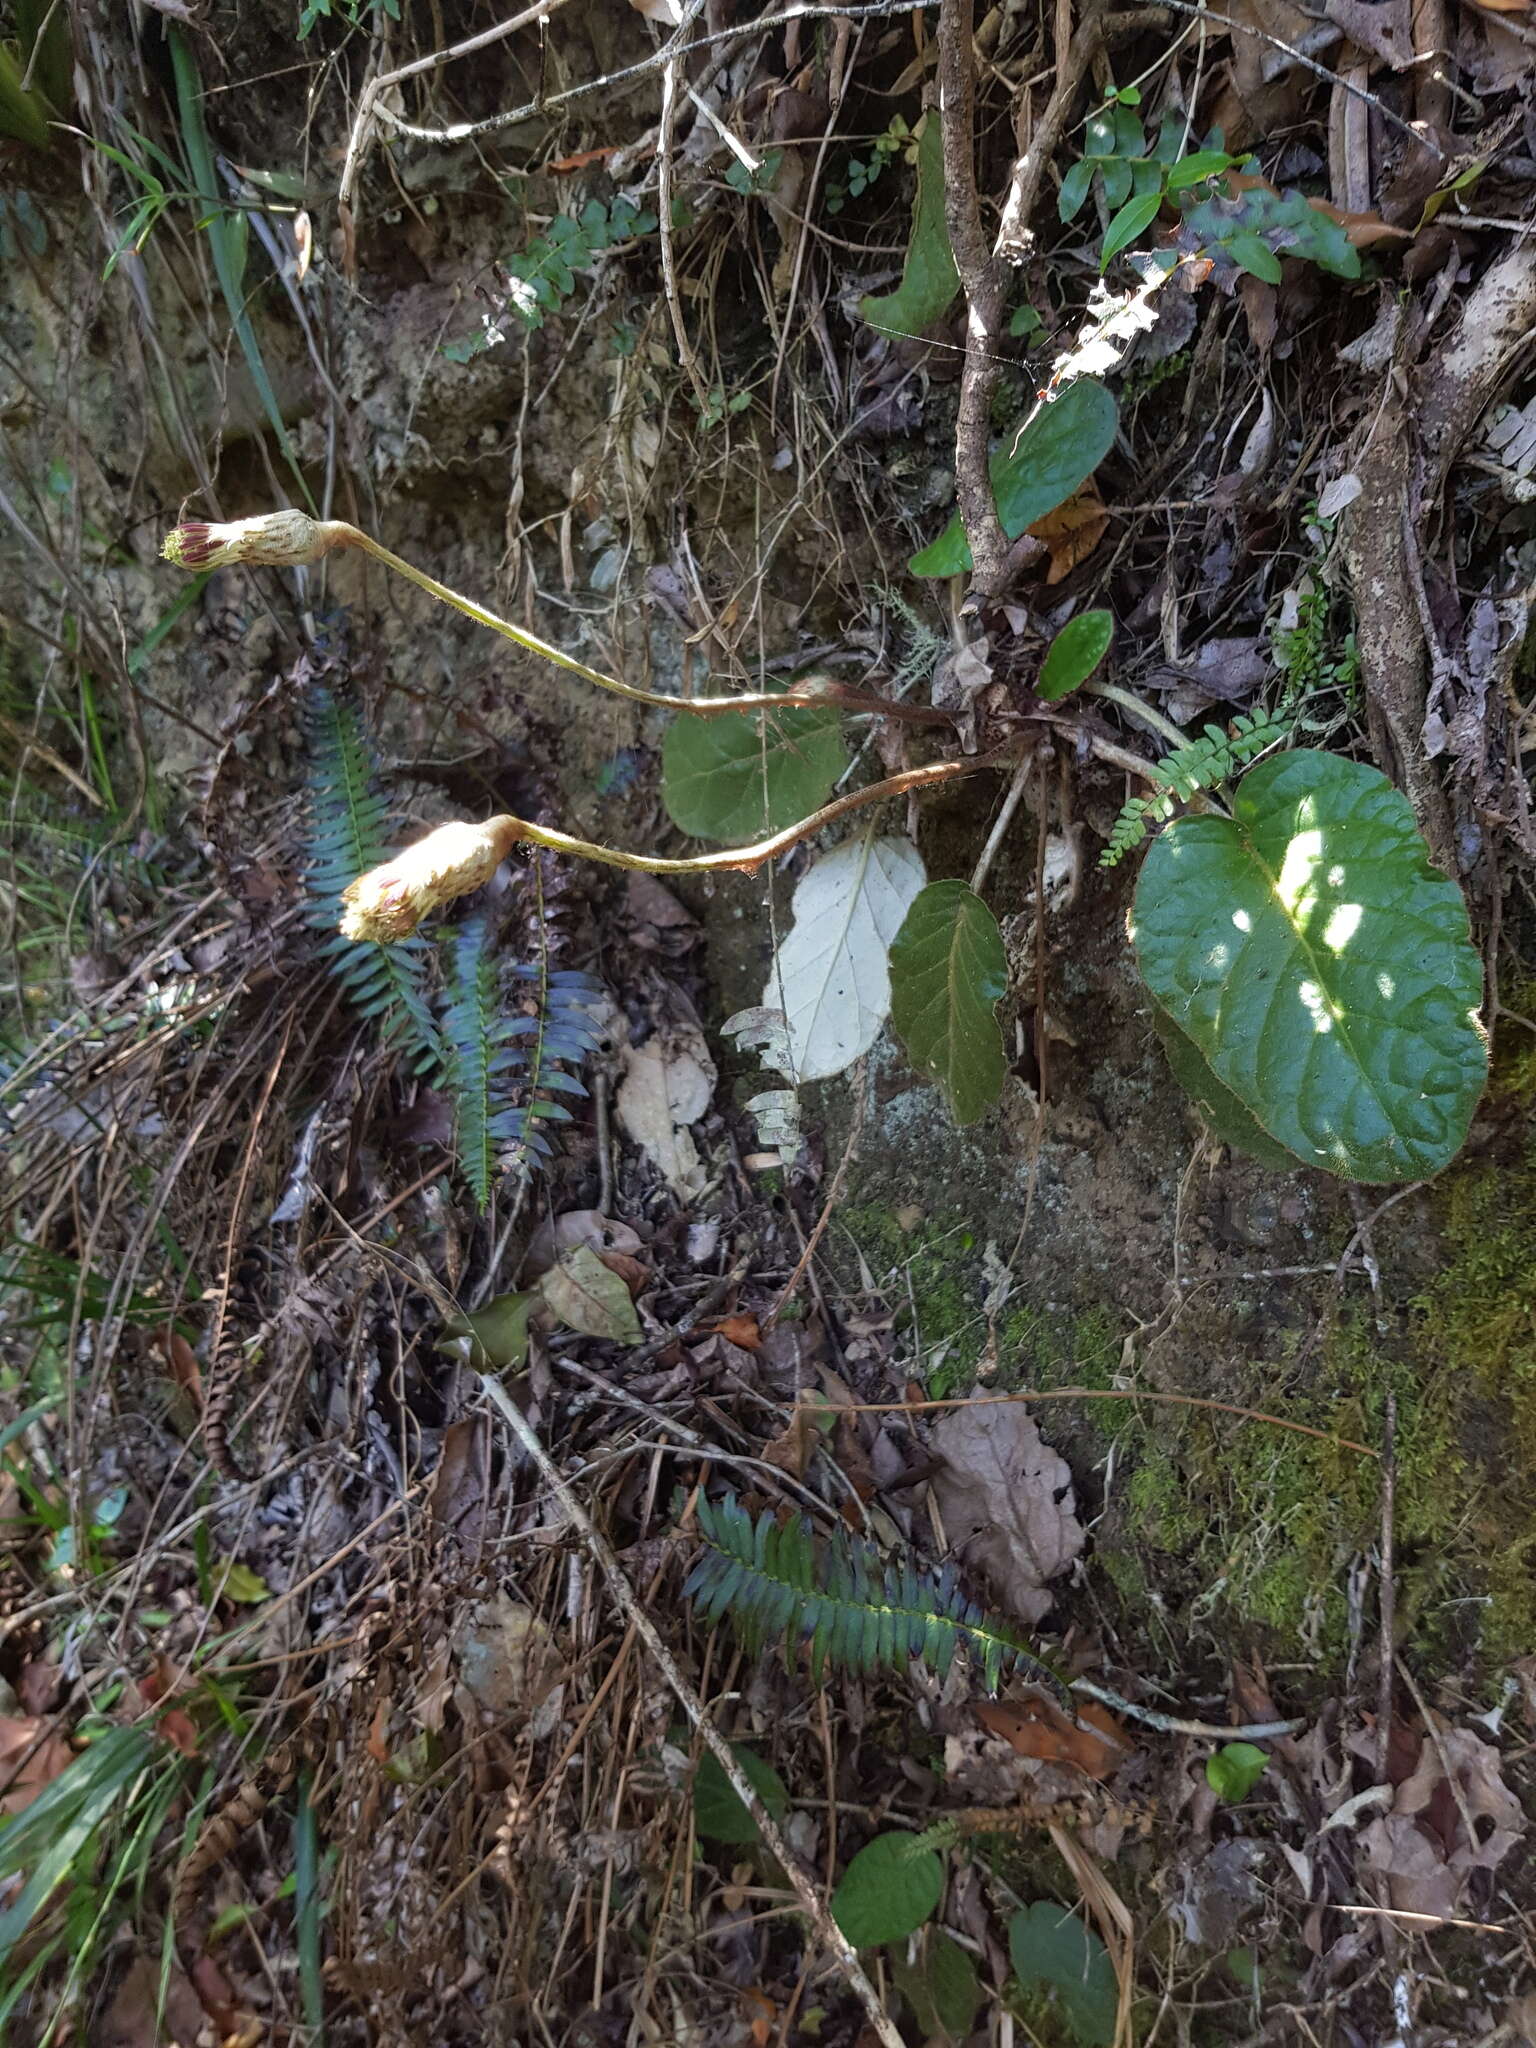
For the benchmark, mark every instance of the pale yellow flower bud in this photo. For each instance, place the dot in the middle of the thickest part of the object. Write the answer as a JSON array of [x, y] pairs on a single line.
[[389, 902], [274, 540]]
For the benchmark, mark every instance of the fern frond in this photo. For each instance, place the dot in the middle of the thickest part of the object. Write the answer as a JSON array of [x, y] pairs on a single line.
[[348, 834], [495, 1055], [1200, 765], [856, 1610]]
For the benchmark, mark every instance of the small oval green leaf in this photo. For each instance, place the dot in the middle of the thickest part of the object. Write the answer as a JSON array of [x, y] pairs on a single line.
[[736, 779], [1074, 654], [1038, 469], [718, 1813], [948, 972], [1235, 1769], [1321, 966], [889, 1889], [1132, 219]]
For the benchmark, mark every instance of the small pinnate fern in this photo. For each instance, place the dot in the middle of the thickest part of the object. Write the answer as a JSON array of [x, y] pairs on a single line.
[[505, 1034], [348, 834], [506, 1068], [856, 1609], [1187, 770]]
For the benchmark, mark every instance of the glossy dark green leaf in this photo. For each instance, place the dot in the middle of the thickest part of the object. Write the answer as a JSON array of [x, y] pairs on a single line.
[[889, 1889], [929, 279], [948, 973], [1037, 469], [743, 775], [718, 1813], [1074, 654], [1054, 1952], [1322, 967], [1075, 187], [1130, 222]]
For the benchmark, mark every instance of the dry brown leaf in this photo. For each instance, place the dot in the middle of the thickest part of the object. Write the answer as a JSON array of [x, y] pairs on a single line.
[[667, 1086], [1072, 531], [133, 2019], [586, 1296], [1007, 1502], [183, 1365], [576, 1226], [1422, 1847], [29, 1759], [791, 1450], [1094, 1743]]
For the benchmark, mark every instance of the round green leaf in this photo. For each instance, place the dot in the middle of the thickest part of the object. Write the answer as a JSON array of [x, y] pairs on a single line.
[[1218, 1105], [1074, 654], [739, 777], [1053, 1951], [718, 1813], [1036, 470], [888, 1890], [940, 1985], [948, 971], [1321, 966], [1235, 1769]]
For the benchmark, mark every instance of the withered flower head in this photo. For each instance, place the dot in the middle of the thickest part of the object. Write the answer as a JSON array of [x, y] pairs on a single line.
[[276, 540], [389, 902]]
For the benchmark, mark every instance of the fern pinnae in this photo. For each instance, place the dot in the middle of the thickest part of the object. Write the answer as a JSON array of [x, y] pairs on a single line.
[[1200, 765], [855, 1610], [348, 834]]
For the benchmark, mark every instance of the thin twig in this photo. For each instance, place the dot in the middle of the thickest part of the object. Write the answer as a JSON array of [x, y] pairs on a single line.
[[1388, 1583], [1344, 1443], [1175, 1724], [999, 830], [602, 1556], [671, 78]]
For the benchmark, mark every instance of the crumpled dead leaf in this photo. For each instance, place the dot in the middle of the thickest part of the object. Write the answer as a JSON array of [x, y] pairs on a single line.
[[791, 1450], [508, 1664], [582, 1291], [25, 1770], [667, 1085], [1072, 531], [1094, 1743], [1007, 1502], [1422, 1848], [133, 2019]]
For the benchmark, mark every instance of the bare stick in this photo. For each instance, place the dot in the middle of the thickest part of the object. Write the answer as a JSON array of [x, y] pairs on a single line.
[[602, 1556], [1175, 1724]]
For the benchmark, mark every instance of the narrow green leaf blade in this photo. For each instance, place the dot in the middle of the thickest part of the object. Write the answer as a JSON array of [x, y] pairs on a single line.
[[1321, 966], [1132, 220], [948, 973], [1074, 654], [929, 279], [736, 779], [1038, 469]]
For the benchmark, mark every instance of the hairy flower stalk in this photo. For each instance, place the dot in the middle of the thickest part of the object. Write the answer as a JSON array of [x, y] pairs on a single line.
[[389, 902], [286, 540]]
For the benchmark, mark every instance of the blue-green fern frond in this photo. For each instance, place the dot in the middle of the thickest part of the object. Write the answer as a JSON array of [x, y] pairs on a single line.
[[348, 834], [856, 1609], [501, 1063]]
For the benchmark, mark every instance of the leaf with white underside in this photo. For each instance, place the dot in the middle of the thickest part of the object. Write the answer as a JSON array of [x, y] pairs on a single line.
[[831, 977], [948, 973], [1321, 966]]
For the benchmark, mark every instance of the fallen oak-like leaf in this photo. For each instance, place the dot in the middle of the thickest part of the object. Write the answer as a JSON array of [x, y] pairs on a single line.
[[29, 1759], [1094, 1743], [1007, 1501]]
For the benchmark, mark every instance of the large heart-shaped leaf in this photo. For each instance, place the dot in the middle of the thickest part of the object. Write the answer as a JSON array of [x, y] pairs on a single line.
[[1321, 966], [1227, 1117], [738, 777], [830, 977], [929, 279], [1035, 471], [948, 971], [1052, 1951]]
